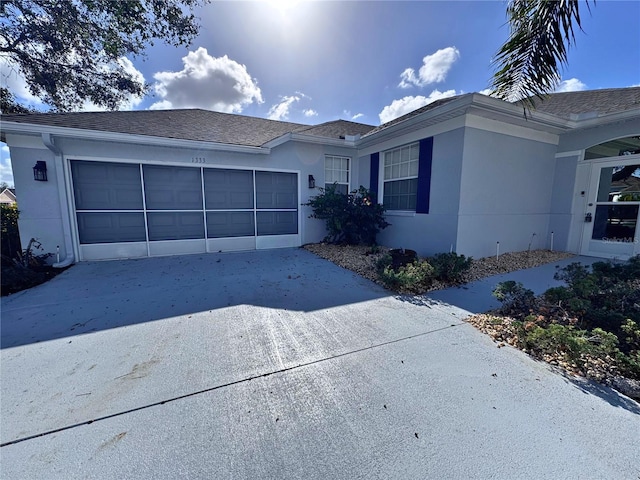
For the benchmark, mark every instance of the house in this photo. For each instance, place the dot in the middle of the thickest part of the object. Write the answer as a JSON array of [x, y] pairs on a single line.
[[466, 173], [8, 196]]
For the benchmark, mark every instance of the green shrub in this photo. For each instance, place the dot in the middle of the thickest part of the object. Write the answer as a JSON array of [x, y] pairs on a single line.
[[595, 316], [415, 277], [603, 297], [450, 267], [383, 262], [578, 346], [515, 298], [354, 218], [9, 234], [630, 337]]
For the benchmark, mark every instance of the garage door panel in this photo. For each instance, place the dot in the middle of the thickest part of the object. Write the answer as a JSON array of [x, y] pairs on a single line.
[[161, 199], [175, 225], [228, 189], [230, 224], [99, 227], [172, 188], [276, 190], [229, 200], [106, 186], [277, 223]]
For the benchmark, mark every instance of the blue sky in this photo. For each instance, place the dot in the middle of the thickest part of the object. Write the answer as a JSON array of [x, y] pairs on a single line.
[[311, 62]]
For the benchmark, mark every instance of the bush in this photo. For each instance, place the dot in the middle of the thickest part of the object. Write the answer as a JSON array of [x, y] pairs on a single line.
[[580, 347], [515, 299], [9, 234], [450, 267], [354, 218], [593, 320], [604, 297], [415, 277]]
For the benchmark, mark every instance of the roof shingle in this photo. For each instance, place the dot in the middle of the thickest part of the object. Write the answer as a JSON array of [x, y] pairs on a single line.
[[187, 124], [601, 102]]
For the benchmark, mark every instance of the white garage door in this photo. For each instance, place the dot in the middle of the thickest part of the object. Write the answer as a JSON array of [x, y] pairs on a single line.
[[134, 210]]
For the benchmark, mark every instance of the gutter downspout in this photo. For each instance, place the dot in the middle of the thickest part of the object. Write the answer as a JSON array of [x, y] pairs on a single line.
[[47, 139]]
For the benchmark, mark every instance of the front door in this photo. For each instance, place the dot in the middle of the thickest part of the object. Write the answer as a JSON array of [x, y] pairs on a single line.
[[612, 219]]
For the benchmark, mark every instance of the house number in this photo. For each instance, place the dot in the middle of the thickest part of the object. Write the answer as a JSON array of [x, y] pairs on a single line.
[[198, 160]]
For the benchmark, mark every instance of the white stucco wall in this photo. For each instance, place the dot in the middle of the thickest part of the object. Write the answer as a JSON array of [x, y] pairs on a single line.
[[505, 193], [38, 202]]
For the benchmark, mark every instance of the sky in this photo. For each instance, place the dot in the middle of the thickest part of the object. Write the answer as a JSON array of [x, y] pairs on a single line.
[[315, 61]]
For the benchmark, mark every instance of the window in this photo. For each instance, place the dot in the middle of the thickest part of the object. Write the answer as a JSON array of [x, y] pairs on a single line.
[[336, 170], [401, 178]]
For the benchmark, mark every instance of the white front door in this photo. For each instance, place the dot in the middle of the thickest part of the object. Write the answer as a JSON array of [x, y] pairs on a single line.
[[612, 218]]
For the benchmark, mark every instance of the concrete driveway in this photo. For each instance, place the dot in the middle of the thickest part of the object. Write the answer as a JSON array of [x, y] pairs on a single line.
[[278, 364]]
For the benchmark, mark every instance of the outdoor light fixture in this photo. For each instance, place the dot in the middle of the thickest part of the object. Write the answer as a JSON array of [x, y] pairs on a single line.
[[40, 171], [312, 182]]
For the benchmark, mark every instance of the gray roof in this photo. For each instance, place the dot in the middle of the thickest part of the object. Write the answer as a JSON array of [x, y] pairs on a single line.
[[609, 100], [565, 105], [337, 129], [409, 115], [188, 124]]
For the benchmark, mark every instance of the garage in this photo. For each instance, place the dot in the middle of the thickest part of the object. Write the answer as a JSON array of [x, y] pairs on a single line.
[[128, 210]]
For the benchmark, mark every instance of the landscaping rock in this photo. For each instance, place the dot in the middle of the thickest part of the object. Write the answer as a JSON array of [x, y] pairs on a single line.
[[362, 260]]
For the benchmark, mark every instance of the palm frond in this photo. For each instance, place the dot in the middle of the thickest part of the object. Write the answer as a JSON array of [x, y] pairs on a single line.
[[528, 64]]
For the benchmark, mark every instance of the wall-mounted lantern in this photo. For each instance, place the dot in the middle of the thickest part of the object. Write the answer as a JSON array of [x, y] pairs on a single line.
[[40, 171], [312, 182]]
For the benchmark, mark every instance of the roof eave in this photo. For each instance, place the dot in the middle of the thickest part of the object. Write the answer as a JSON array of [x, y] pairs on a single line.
[[316, 139], [85, 134], [478, 104], [610, 118], [448, 107]]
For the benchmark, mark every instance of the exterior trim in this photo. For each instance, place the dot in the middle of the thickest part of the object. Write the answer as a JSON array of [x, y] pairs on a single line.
[[425, 158], [25, 128], [497, 126], [572, 153], [374, 174]]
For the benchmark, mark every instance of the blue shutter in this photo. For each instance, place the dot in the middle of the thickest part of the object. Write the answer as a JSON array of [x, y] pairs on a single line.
[[374, 173], [424, 175]]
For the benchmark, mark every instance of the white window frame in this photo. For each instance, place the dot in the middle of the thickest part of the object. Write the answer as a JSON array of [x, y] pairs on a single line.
[[388, 165], [348, 171]]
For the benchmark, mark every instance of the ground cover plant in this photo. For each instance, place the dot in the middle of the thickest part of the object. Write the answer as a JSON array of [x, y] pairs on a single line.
[[368, 261], [421, 274], [590, 326]]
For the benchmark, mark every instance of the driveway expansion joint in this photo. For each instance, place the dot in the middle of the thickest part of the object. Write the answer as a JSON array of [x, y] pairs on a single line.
[[229, 384]]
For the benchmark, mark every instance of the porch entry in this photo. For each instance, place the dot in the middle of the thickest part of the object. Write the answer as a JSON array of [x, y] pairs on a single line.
[[126, 210], [612, 219]]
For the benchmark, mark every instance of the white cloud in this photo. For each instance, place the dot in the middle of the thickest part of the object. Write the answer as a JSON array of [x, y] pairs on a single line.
[[571, 85], [6, 173], [434, 69], [310, 112], [219, 84], [12, 79], [280, 111], [347, 113], [486, 91], [409, 104]]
